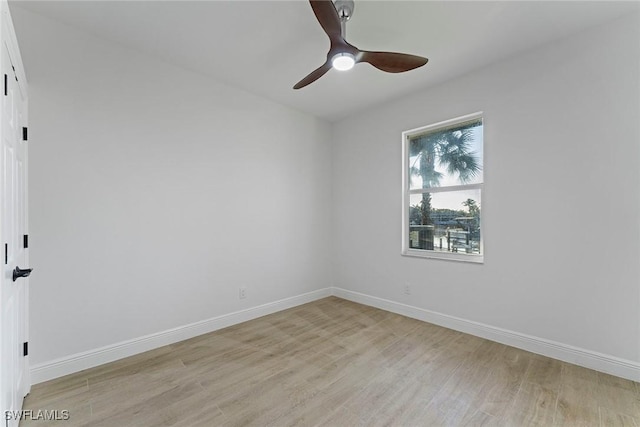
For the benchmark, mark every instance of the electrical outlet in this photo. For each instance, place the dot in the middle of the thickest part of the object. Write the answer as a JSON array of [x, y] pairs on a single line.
[[407, 288], [243, 293]]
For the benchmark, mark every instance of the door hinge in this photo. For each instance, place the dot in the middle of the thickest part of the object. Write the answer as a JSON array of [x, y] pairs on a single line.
[[25, 241], [25, 348], [24, 133], [5, 85], [6, 253]]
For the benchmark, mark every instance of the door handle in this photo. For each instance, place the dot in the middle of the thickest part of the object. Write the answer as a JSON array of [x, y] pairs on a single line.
[[18, 272]]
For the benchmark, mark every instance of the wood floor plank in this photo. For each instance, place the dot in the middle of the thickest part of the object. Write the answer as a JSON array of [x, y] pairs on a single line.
[[154, 408], [308, 413], [69, 388], [504, 381], [577, 404], [610, 380], [534, 405], [269, 400], [480, 418], [619, 400], [545, 372], [458, 397], [333, 362], [381, 388], [406, 404], [609, 418], [344, 417]]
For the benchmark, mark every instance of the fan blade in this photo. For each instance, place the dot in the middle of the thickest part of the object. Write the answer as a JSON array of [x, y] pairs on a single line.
[[314, 75], [392, 62], [328, 18]]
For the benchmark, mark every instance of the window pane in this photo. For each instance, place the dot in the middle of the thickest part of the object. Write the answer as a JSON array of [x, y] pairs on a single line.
[[448, 221], [446, 156]]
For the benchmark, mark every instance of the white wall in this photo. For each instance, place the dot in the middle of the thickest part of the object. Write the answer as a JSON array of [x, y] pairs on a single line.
[[561, 203], [156, 193]]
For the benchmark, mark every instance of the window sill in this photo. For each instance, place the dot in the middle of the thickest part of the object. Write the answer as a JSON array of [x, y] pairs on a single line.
[[447, 256]]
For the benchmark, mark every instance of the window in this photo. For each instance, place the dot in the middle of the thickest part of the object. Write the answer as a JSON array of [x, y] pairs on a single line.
[[442, 176]]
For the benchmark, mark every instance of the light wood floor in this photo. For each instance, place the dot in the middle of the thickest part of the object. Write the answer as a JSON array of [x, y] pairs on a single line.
[[336, 363]]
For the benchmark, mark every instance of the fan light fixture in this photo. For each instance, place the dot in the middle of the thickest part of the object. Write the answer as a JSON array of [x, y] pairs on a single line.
[[342, 56], [343, 61]]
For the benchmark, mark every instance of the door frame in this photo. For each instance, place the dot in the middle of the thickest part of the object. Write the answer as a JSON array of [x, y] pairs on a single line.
[[8, 41]]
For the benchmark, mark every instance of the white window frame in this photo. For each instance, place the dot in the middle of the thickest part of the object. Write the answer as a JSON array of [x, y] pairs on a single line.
[[407, 192]]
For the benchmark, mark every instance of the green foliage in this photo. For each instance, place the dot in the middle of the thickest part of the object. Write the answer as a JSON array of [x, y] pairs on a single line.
[[449, 213], [474, 209], [452, 150]]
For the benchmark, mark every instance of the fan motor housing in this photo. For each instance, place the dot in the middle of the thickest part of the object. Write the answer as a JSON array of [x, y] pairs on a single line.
[[345, 9]]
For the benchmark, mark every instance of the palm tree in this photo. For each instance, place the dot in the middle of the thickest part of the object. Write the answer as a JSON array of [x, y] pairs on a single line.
[[451, 149], [472, 205], [474, 212]]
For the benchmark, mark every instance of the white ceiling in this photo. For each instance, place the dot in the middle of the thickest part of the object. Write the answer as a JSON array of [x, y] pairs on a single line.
[[266, 46]]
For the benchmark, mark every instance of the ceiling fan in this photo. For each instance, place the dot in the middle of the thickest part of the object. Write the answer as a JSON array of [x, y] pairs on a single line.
[[342, 55]]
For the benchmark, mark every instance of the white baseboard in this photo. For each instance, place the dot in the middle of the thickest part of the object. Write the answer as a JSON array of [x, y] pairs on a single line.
[[579, 356], [89, 359], [567, 353]]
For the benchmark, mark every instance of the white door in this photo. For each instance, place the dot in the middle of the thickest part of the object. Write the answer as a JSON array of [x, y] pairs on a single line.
[[14, 286]]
